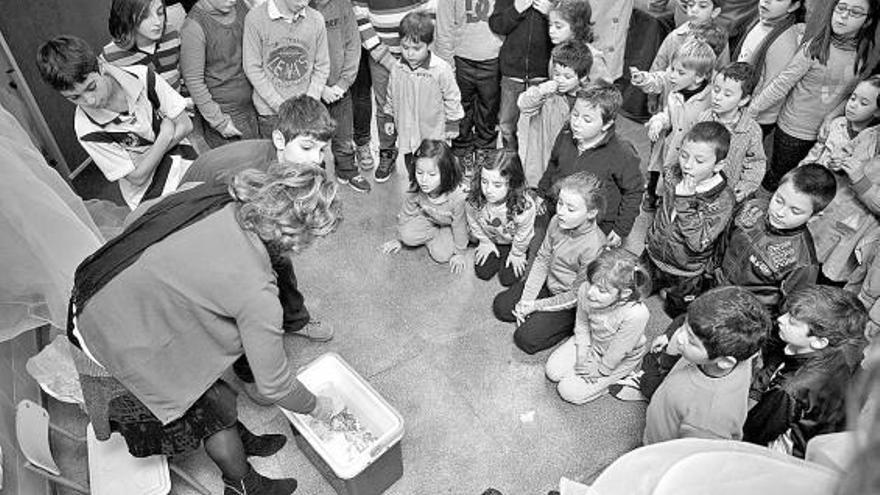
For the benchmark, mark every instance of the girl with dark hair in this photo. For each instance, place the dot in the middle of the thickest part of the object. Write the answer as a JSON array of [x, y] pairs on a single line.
[[501, 217], [433, 209], [769, 44], [822, 73], [142, 35]]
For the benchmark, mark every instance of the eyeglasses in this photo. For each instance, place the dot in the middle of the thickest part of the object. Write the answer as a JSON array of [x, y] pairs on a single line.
[[854, 12]]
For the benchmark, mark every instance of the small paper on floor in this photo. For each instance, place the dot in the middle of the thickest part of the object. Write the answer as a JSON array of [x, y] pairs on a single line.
[[527, 417]]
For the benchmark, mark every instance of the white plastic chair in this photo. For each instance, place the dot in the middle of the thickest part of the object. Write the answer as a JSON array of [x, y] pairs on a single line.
[[112, 469]]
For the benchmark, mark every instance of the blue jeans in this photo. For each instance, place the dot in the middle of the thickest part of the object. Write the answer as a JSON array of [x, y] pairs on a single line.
[[362, 98], [508, 114], [341, 144], [380, 76]]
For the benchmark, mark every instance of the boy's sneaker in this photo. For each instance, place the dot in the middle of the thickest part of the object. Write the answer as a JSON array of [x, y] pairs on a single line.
[[468, 164], [387, 162], [628, 389], [364, 156], [358, 183], [315, 331]]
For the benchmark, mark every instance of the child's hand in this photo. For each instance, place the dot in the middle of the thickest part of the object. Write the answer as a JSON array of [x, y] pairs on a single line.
[[548, 87], [391, 247], [457, 263], [522, 310], [230, 131], [687, 186], [659, 343], [331, 94], [540, 205], [739, 194], [389, 128], [450, 135], [483, 250], [853, 169], [613, 240], [655, 128], [518, 263], [637, 77], [522, 5], [542, 6]]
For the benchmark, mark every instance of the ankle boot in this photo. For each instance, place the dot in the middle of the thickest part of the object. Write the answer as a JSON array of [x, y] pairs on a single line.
[[254, 483], [260, 445]]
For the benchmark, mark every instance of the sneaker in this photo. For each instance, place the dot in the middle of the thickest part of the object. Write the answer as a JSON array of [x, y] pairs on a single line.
[[364, 156], [649, 202], [468, 165], [628, 389], [483, 155], [315, 331], [358, 183], [387, 162]]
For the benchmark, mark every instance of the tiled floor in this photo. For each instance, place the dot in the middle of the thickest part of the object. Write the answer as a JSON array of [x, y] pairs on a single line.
[[477, 411]]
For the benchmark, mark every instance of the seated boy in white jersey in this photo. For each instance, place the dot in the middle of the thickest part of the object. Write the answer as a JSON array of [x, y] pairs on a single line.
[[131, 122]]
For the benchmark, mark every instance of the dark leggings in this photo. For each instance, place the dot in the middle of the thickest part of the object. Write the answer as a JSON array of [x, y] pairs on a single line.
[[497, 264], [788, 151]]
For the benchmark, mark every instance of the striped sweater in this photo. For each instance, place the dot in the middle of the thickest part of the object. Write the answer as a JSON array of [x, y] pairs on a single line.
[[164, 59], [378, 21]]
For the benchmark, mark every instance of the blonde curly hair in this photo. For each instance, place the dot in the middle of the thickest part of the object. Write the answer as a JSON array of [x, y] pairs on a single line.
[[287, 206]]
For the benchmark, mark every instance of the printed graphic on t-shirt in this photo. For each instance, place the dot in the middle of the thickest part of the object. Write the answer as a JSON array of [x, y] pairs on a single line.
[[477, 10], [288, 63]]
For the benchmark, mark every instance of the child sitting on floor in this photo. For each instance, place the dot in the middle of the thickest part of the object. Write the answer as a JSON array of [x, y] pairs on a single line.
[[696, 207], [543, 305], [769, 250], [433, 209], [801, 391], [731, 92], [501, 217], [852, 139], [544, 109], [706, 393], [609, 331]]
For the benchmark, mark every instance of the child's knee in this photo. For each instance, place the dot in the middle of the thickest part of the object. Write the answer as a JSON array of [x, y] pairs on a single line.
[[524, 339], [577, 390], [441, 247], [555, 372], [502, 307]]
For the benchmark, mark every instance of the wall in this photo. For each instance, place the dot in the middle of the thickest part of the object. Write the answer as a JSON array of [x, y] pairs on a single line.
[[16, 384]]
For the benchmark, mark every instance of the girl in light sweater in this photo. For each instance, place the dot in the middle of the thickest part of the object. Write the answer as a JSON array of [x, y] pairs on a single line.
[[821, 74]]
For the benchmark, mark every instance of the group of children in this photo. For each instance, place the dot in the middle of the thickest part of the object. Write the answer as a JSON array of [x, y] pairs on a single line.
[[735, 246]]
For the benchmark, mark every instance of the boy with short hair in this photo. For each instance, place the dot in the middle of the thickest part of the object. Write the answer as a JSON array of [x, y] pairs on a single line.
[[545, 108], [131, 123], [589, 143], [686, 83], [285, 54], [693, 214], [732, 90], [344, 49], [422, 95], [769, 250], [465, 41], [700, 15], [706, 393], [800, 390]]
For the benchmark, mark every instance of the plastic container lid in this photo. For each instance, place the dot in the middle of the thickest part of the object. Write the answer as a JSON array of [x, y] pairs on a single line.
[[329, 373]]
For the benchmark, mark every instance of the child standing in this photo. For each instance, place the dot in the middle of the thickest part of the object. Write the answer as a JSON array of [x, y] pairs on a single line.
[[524, 57], [142, 36], [686, 83], [545, 108], [590, 143], [706, 393], [543, 305], [344, 48], [501, 217], [700, 14], [285, 54], [210, 60], [769, 250], [769, 45], [801, 391], [816, 80], [130, 121], [609, 331], [694, 212], [465, 41], [433, 210], [731, 91], [422, 95], [570, 21], [852, 140]]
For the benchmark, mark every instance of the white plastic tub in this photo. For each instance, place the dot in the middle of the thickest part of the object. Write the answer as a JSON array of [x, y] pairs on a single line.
[[380, 464]]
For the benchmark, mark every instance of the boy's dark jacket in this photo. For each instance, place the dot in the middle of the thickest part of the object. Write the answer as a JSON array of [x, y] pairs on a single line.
[[769, 262], [525, 53], [614, 161]]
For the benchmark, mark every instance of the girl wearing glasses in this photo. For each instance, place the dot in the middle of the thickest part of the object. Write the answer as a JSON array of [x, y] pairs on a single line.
[[821, 74]]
